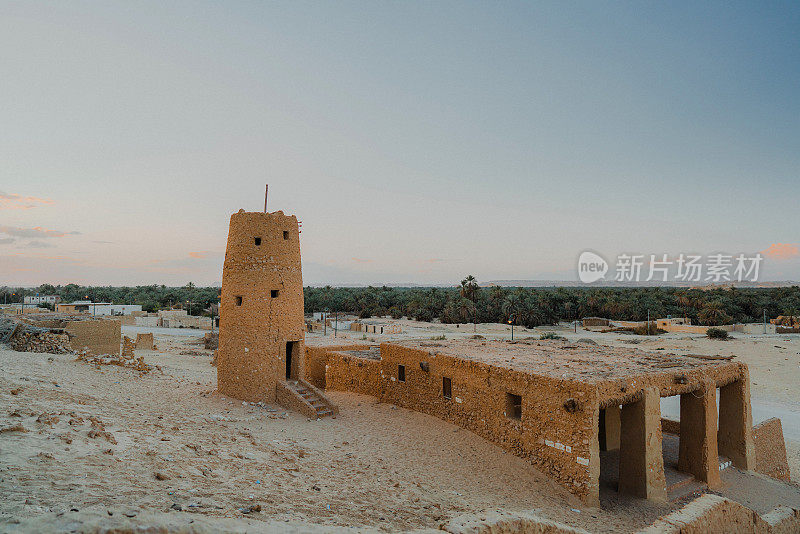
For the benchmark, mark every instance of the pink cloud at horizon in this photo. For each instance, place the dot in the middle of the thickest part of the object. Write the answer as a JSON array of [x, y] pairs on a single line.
[[782, 251]]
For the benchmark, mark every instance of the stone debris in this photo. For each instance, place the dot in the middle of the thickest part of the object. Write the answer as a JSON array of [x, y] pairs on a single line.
[[131, 362], [13, 428], [211, 340], [32, 341]]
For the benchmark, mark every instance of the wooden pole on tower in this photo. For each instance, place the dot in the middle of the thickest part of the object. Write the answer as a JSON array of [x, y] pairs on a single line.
[[266, 191]]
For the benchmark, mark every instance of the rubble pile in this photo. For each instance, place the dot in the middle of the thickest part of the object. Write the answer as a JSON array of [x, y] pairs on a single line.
[[126, 360], [28, 341], [211, 340], [23, 337]]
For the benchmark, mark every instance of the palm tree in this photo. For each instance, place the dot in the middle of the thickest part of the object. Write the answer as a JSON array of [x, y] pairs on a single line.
[[469, 290], [469, 287]]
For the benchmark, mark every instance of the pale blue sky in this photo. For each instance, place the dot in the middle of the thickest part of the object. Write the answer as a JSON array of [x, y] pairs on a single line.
[[417, 141]]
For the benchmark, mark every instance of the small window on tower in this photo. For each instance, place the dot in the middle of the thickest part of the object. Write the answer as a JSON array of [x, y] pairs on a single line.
[[447, 388], [238, 301], [286, 234], [401, 373], [513, 406], [258, 241], [273, 293]]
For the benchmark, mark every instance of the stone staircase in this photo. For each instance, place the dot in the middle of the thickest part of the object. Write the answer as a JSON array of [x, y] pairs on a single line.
[[301, 396]]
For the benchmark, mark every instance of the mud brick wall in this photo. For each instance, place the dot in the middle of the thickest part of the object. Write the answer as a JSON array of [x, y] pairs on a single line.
[[345, 372], [317, 359], [145, 341], [558, 428], [128, 347], [770, 449], [98, 337], [712, 513], [261, 306]]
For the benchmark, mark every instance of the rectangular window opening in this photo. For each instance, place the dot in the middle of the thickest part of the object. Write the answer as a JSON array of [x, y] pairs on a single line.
[[273, 293], [257, 241], [238, 300], [286, 234], [447, 388], [513, 406], [401, 373]]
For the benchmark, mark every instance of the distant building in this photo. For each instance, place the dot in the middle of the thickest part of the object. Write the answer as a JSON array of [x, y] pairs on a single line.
[[98, 308], [42, 299]]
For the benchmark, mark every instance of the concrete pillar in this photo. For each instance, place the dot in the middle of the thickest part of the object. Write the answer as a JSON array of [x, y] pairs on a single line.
[[641, 458], [697, 453], [610, 428], [735, 437]]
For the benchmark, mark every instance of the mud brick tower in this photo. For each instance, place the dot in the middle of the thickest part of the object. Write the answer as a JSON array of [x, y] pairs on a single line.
[[262, 327]]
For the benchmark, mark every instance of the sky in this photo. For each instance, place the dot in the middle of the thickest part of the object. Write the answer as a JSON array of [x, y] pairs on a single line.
[[416, 141]]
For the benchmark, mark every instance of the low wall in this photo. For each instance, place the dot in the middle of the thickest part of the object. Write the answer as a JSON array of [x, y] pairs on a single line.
[[714, 514], [786, 330], [102, 336], [694, 329], [146, 321], [754, 328], [770, 449], [506, 522], [145, 341], [317, 359], [345, 372]]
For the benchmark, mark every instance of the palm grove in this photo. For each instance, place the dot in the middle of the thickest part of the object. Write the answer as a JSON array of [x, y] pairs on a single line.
[[468, 302]]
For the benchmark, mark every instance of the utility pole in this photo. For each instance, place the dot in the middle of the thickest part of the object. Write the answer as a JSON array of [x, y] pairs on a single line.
[[648, 322], [335, 322], [765, 321]]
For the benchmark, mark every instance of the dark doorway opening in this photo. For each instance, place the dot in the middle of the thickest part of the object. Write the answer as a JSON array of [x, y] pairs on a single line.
[[290, 372]]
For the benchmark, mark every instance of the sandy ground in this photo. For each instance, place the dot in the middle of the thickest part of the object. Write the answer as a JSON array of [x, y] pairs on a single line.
[[108, 446]]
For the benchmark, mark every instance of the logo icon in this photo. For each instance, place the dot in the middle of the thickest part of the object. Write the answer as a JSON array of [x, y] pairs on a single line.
[[591, 267]]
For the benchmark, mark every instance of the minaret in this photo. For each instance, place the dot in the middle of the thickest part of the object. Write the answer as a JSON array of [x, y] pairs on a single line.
[[262, 325]]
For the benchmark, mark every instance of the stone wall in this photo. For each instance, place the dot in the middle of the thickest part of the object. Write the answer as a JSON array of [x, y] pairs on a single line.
[[712, 513], [346, 372], [102, 336], [770, 449], [317, 360], [261, 306], [145, 341]]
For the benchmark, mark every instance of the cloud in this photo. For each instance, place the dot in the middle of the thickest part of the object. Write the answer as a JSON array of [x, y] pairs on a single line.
[[11, 201], [37, 232], [104, 242], [199, 255], [40, 244], [434, 260], [361, 260], [782, 251], [7, 240]]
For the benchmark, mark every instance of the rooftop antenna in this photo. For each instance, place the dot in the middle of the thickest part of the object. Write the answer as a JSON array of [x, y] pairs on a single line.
[[266, 191]]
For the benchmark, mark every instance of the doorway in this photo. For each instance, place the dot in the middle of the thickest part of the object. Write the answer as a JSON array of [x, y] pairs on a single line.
[[291, 365]]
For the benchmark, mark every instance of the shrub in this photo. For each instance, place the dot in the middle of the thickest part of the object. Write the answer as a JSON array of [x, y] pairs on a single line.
[[395, 312], [550, 335], [717, 333]]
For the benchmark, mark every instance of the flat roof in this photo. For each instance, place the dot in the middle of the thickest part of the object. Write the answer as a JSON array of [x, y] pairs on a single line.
[[565, 360]]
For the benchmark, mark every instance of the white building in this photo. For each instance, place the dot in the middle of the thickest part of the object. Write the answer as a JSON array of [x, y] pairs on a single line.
[[42, 299], [98, 308]]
